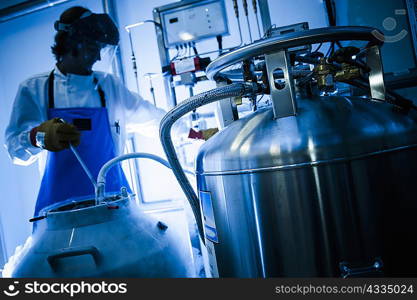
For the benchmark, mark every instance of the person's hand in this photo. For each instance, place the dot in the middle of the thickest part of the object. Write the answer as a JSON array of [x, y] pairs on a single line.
[[59, 135]]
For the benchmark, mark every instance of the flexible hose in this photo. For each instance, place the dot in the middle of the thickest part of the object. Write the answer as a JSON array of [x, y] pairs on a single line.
[[392, 97], [233, 90], [101, 178]]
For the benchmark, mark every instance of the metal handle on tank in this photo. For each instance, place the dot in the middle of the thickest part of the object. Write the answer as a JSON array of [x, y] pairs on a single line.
[[74, 251], [275, 50], [295, 39]]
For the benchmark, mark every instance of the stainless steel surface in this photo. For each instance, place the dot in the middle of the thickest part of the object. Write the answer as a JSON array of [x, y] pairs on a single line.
[[226, 111], [325, 129], [376, 75], [277, 31], [297, 196], [283, 100], [308, 164], [236, 75], [290, 40]]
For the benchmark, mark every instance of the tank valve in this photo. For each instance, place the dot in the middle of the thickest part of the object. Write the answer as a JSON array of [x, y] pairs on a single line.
[[348, 72], [349, 67], [123, 191], [324, 73]]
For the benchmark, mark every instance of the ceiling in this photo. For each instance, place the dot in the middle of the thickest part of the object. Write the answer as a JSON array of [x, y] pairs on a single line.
[[8, 3]]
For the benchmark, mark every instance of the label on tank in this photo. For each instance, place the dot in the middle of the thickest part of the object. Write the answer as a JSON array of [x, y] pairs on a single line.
[[212, 259], [208, 216]]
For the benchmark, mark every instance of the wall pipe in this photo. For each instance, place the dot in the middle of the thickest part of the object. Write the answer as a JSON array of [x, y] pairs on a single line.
[[26, 8]]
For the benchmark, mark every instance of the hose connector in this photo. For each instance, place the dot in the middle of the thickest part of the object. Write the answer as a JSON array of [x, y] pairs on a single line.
[[100, 192]]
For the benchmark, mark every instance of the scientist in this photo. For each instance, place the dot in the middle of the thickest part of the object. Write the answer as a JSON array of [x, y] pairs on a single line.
[[74, 105]]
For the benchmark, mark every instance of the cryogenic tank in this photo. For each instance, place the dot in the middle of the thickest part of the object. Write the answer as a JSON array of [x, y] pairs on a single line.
[[312, 185], [298, 196], [114, 239]]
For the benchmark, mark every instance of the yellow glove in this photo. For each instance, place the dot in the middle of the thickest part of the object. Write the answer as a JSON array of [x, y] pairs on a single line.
[[58, 135], [208, 133]]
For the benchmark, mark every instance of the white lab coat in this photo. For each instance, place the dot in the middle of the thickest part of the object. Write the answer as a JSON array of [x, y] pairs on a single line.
[[31, 106]]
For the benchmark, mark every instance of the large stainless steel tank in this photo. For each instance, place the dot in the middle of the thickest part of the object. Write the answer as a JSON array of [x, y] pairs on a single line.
[[299, 196], [113, 239], [312, 186]]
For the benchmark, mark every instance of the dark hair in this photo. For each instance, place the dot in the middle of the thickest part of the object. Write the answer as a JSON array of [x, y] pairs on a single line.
[[63, 42]]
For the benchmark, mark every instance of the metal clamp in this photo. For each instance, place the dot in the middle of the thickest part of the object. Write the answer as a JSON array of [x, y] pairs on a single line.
[[376, 75], [283, 99]]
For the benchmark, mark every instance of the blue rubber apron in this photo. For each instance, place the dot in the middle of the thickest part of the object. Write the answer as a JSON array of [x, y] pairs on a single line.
[[64, 177]]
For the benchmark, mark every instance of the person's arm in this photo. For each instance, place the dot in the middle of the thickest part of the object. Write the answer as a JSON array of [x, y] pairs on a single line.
[[144, 118], [141, 116], [26, 114]]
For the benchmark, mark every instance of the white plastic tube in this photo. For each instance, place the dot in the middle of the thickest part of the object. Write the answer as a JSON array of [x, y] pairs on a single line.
[[101, 178]]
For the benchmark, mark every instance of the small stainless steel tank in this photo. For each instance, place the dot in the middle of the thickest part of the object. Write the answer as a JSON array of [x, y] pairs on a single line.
[[112, 239], [312, 186]]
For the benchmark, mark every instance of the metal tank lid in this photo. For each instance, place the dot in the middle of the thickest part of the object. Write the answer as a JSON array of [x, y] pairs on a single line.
[[82, 211], [325, 130]]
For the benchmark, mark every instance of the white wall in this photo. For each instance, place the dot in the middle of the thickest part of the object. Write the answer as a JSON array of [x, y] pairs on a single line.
[[297, 11]]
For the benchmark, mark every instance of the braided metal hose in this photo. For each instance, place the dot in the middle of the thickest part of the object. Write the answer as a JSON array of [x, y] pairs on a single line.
[[233, 90]]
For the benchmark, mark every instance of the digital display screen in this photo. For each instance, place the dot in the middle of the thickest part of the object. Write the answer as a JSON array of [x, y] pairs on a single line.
[[195, 21]]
